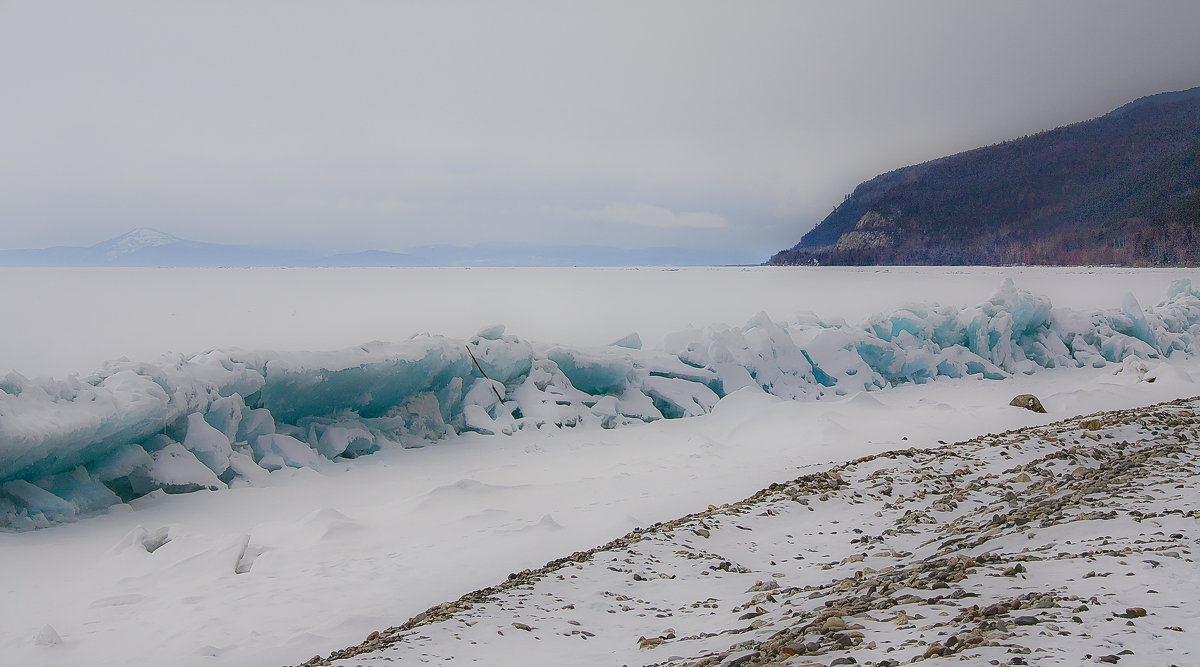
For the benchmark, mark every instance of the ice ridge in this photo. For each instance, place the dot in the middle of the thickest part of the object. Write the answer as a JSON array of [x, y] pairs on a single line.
[[227, 417]]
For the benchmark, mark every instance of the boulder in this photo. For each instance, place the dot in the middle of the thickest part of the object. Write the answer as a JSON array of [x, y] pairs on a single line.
[[1029, 402]]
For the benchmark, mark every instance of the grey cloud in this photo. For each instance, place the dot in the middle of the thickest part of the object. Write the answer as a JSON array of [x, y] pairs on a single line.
[[647, 215], [380, 123]]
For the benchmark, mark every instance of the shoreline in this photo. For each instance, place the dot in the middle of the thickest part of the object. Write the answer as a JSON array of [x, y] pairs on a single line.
[[938, 532]]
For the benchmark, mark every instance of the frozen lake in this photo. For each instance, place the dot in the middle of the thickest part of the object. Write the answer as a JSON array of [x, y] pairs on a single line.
[[70, 320]]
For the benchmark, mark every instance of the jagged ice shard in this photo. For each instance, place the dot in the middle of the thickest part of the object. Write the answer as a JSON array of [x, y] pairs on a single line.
[[227, 417]]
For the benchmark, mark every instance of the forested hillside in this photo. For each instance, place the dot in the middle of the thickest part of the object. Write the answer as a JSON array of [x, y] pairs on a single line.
[[1123, 188]]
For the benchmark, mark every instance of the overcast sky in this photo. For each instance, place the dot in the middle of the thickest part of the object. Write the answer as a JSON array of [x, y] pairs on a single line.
[[388, 124]]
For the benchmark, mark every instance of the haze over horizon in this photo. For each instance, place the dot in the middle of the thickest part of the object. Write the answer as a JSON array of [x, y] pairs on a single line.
[[694, 125]]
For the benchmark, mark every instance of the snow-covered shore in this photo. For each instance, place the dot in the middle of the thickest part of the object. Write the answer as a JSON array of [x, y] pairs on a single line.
[[338, 555], [1061, 544], [317, 557]]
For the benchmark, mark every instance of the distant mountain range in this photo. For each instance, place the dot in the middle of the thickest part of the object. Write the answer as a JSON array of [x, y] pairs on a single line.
[[150, 247], [1123, 188]]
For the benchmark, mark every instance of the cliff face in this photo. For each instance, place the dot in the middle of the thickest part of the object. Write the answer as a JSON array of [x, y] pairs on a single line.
[[1123, 188]]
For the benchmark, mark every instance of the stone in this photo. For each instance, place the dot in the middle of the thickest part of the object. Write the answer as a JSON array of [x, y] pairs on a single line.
[[649, 643], [760, 586], [740, 660], [834, 623], [1029, 402], [1014, 570]]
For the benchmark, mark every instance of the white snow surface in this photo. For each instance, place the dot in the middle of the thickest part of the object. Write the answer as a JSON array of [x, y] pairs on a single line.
[[65, 446], [71, 320], [1038, 542], [304, 555]]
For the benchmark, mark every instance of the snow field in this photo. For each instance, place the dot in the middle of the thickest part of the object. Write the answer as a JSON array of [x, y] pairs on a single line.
[[293, 561], [1000, 548], [73, 320], [366, 544]]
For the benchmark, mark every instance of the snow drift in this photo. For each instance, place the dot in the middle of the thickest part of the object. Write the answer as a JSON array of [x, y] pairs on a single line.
[[228, 417]]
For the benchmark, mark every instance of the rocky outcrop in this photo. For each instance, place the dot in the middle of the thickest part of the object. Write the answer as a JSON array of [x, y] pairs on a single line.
[[872, 231]]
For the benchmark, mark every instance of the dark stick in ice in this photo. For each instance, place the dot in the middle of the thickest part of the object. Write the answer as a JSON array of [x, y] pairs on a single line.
[[484, 374]]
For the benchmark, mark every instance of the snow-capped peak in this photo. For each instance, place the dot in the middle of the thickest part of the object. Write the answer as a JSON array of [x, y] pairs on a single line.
[[131, 242]]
